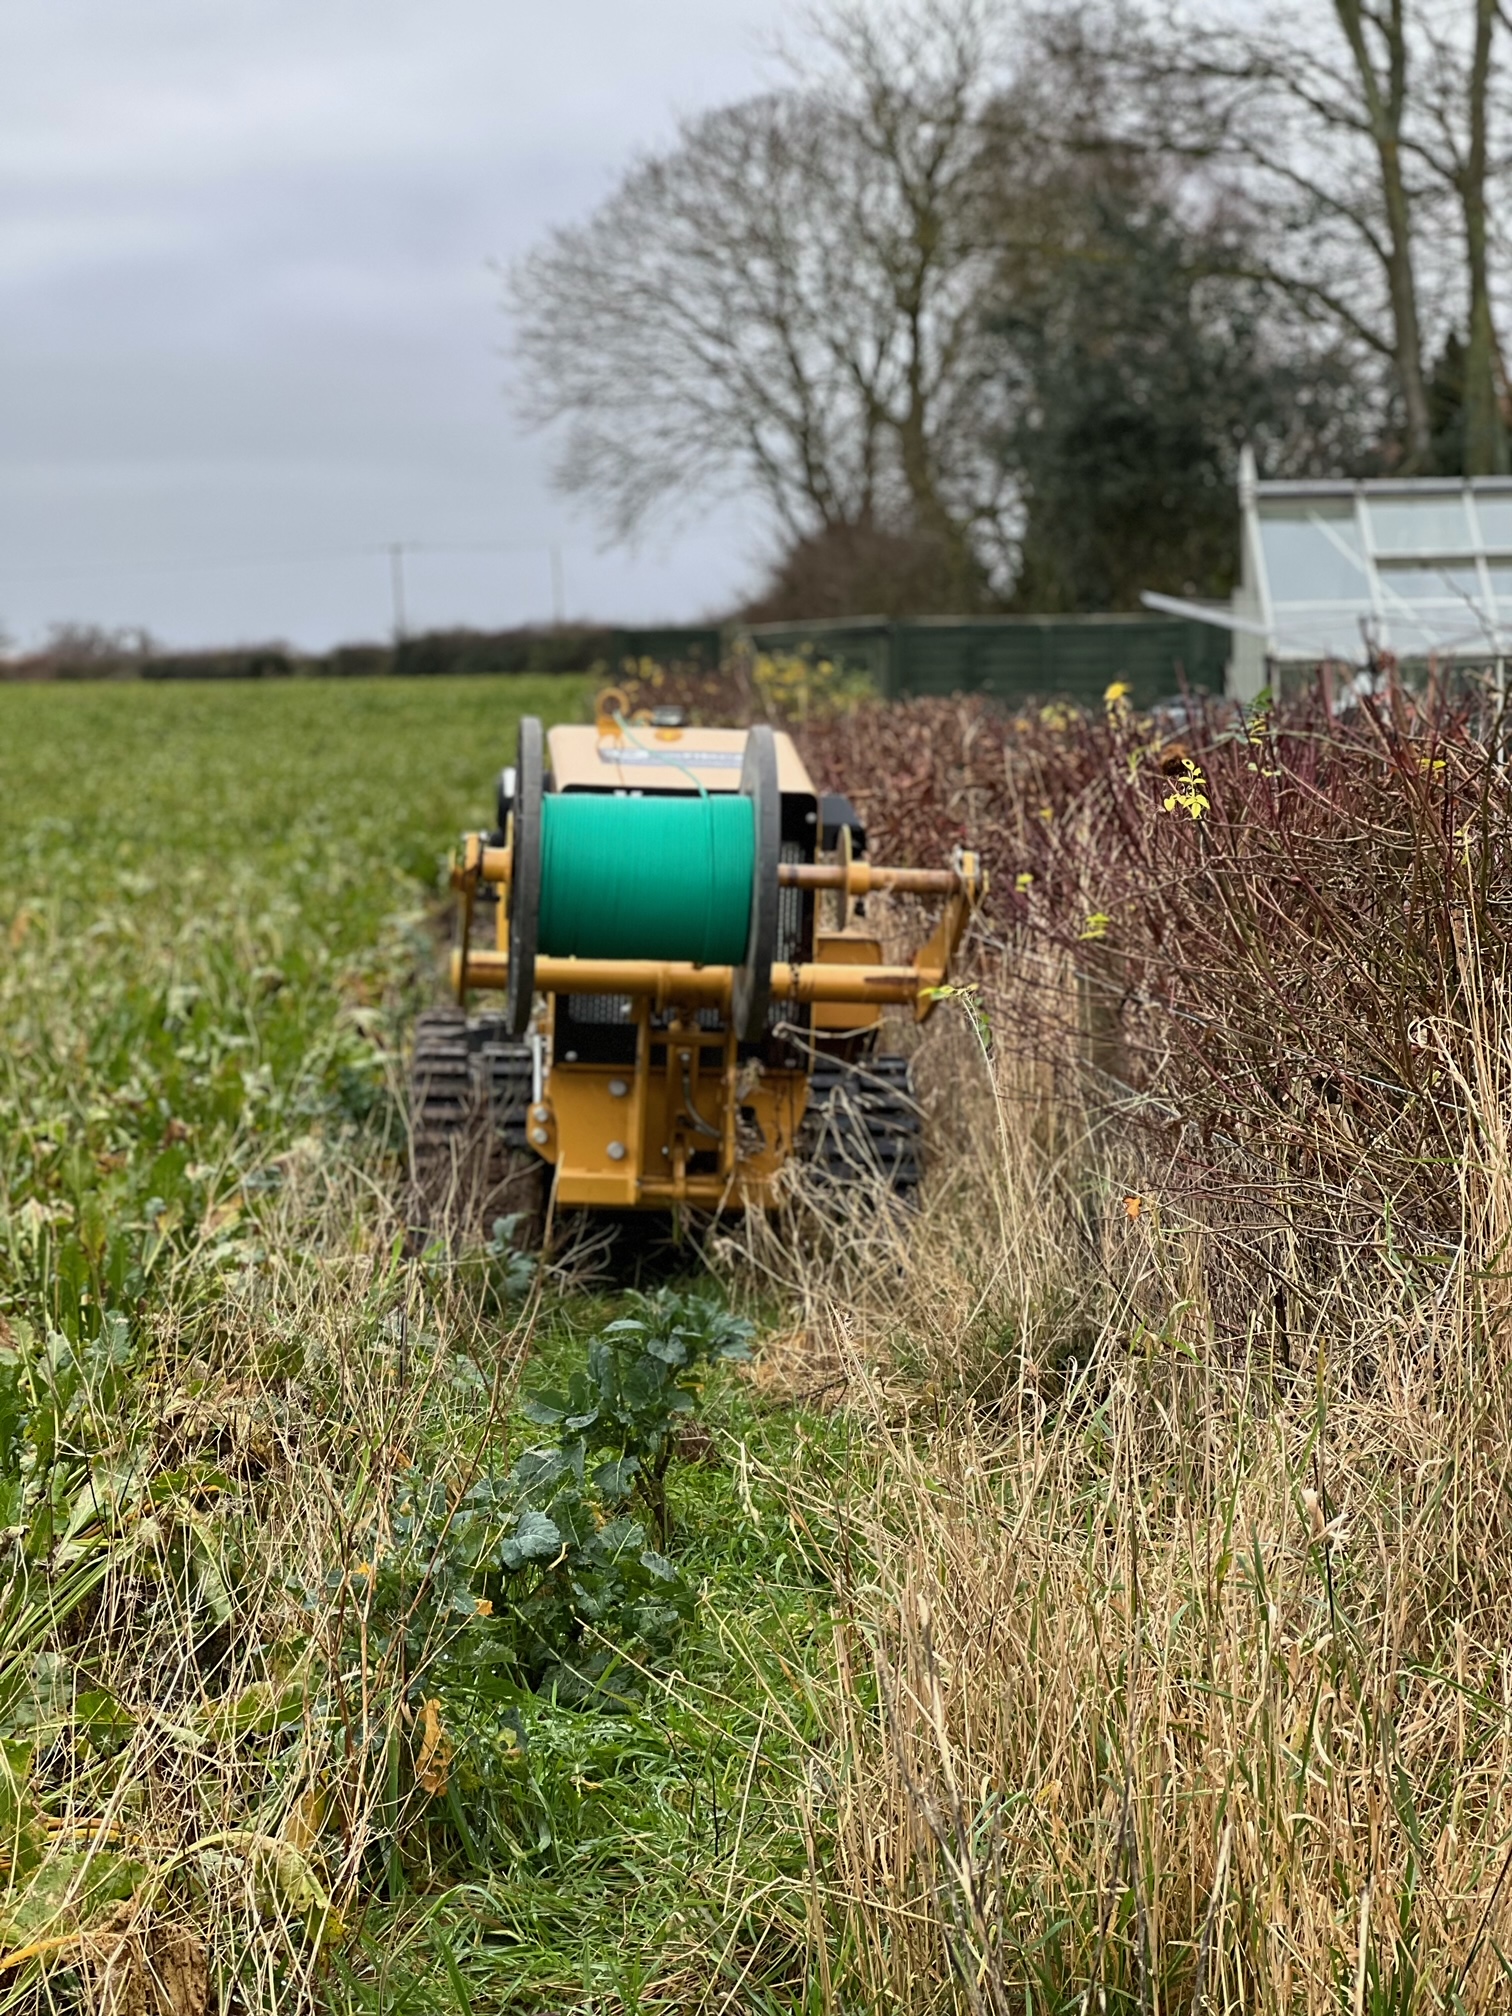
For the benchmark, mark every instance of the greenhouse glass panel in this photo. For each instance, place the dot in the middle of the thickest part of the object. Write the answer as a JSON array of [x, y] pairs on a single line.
[[1435, 627], [1429, 584], [1320, 633], [1420, 525], [1314, 559], [1495, 514], [1339, 569]]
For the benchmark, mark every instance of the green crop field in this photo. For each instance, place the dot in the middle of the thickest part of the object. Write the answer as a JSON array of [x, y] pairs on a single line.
[[215, 904], [227, 1380]]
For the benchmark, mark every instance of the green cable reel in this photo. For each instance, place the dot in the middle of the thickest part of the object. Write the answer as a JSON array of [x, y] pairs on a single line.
[[646, 878], [599, 875]]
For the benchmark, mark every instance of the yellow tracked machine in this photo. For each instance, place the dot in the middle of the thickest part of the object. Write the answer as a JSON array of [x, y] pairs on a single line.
[[692, 992]]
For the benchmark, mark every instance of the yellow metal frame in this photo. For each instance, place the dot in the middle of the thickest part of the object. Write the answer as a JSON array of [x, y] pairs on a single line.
[[688, 1124]]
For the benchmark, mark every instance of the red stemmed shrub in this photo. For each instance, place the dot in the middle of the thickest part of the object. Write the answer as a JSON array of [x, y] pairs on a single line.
[[1287, 935]]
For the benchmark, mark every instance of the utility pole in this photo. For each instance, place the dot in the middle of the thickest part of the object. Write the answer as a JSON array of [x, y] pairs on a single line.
[[396, 588], [558, 588]]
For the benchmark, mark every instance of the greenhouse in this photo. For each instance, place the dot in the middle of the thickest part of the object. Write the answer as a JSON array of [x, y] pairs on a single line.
[[1340, 571]]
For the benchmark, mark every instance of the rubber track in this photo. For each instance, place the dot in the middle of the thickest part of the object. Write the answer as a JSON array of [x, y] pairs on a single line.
[[462, 1070], [863, 1122]]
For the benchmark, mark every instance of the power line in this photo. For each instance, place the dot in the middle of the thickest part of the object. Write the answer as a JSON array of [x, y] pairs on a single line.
[[207, 565], [319, 558]]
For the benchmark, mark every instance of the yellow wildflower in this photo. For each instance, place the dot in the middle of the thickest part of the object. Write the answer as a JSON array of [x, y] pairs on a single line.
[[1189, 791]]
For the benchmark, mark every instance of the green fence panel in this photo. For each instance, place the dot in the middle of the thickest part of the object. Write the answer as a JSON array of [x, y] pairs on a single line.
[[1019, 658], [1058, 658]]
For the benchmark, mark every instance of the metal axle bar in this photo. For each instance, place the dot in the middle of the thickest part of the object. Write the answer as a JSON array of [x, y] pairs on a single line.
[[667, 981], [860, 878]]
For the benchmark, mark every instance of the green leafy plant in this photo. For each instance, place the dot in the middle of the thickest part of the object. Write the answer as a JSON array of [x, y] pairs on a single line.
[[57, 1400], [644, 1376], [549, 1573]]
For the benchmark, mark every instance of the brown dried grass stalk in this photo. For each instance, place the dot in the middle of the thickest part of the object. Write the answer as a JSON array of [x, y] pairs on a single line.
[[1169, 1676], [258, 1778]]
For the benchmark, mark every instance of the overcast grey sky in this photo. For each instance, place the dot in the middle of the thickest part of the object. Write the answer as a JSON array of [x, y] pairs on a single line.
[[248, 326]]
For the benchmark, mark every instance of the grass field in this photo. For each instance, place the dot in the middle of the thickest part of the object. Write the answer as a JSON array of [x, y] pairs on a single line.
[[1052, 1618], [218, 1370], [214, 897]]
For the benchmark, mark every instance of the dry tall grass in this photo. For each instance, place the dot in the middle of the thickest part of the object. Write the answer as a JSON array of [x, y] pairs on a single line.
[[246, 1759], [1169, 1676]]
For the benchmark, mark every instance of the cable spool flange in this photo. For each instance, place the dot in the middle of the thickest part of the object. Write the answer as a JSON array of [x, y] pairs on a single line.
[[525, 876], [753, 978]]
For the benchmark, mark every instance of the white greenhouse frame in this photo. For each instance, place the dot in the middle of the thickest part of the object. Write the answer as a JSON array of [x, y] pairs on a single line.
[[1341, 571]]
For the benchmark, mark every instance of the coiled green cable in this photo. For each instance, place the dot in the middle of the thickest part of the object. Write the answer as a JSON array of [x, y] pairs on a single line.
[[646, 878]]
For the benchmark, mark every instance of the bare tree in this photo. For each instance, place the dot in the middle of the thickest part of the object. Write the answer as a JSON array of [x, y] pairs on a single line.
[[1462, 104], [791, 298], [812, 294], [922, 94], [1360, 132], [1485, 426]]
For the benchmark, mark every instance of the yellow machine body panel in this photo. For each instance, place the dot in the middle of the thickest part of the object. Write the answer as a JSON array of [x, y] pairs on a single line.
[[846, 948], [678, 1128], [642, 758]]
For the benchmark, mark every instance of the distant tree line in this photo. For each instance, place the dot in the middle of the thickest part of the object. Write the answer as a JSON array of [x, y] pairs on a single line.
[[983, 302], [86, 651]]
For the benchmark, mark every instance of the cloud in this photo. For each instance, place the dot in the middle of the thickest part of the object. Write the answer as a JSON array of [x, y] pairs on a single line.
[[246, 305]]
